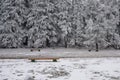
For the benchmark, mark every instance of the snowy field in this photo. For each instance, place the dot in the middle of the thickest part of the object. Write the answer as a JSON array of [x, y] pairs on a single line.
[[102, 65], [64, 69], [58, 52]]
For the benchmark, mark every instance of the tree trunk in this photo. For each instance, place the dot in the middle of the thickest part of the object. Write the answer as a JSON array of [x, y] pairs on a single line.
[[47, 43], [65, 42], [25, 41], [96, 47]]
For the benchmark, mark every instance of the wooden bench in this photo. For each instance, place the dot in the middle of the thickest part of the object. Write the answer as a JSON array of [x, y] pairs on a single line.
[[53, 59], [34, 49]]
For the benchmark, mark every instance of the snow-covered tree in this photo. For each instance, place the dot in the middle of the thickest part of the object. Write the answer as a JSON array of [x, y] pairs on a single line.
[[68, 23]]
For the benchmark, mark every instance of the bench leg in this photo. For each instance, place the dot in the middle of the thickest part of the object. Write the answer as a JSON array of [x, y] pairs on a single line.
[[38, 49], [31, 50], [32, 60], [54, 60]]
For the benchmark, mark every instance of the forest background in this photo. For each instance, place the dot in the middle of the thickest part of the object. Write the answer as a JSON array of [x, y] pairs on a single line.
[[60, 23]]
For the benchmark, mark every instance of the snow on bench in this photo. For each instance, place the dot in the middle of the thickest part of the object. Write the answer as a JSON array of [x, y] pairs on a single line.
[[44, 58]]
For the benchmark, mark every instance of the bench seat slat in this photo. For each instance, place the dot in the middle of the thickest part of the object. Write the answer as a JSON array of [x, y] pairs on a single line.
[[42, 58]]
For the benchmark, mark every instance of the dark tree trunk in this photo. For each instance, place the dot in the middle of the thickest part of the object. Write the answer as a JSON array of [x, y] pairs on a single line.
[[118, 28], [96, 47], [47, 43], [65, 42], [25, 41]]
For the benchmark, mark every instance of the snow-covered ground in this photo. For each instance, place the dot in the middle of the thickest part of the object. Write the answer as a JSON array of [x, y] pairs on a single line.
[[58, 52], [64, 69]]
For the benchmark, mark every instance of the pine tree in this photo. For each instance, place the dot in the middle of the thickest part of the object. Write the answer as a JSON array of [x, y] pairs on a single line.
[[68, 23]]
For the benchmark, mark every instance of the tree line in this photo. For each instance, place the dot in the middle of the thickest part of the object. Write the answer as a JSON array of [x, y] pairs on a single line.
[[90, 24]]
